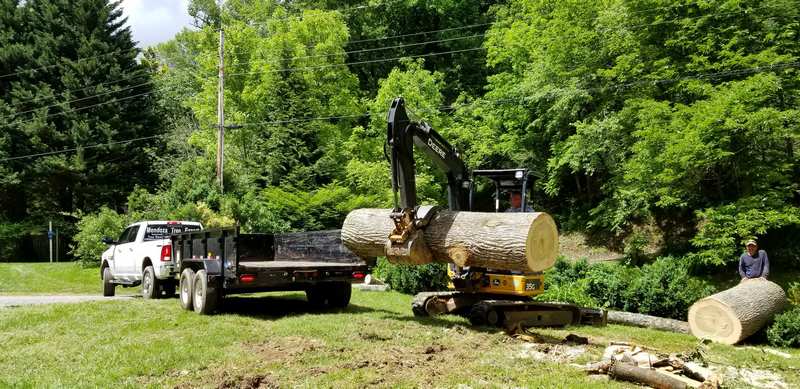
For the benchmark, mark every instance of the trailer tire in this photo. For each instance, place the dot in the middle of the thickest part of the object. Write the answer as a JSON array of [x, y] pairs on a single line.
[[205, 294], [186, 288], [339, 294], [150, 284], [316, 296], [108, 286]]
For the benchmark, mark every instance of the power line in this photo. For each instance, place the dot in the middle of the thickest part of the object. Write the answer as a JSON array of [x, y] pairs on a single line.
[[753, 70], [289, 70], [81, 148], [74, 61], [370, 49], [39, 98], [79, 99]]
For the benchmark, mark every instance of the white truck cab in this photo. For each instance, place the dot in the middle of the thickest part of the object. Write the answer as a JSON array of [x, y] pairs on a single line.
[[142, 255]]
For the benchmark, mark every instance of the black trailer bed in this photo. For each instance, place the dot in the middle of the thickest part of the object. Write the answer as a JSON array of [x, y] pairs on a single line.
[[292, 265], [243, 263]]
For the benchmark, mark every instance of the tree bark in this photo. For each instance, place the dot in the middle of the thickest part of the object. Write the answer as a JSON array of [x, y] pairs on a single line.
[[640, 320], [653, 378], [734, 314], [523, 241]]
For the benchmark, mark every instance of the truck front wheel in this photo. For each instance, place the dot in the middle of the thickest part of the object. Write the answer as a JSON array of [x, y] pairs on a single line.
[[108, 286], [205, 294], [186, 289], [150, 287]]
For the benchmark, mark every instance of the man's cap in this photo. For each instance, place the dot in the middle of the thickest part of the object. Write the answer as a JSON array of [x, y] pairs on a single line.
[[751, 242]]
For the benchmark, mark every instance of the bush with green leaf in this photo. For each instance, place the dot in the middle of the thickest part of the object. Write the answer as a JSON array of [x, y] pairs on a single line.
[[665, 289], [571, 293], [785, 330], [412, 279], [793, 293], [92, 228]]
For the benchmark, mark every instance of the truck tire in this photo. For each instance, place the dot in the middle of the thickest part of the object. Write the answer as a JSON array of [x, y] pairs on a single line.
[[205, 294], [169, 288], [186, 288], [339, 294], [150, 287], [108, 286]]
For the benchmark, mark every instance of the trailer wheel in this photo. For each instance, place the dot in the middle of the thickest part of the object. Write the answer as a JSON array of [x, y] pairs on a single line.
[[316, 296], [186, 289], [150, 287], [205, 294], [108, 286], [339, 293]]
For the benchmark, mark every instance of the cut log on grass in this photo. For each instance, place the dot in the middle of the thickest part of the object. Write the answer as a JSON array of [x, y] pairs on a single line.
[[506, 241], [734, 314], [655, 322], [653, 378]]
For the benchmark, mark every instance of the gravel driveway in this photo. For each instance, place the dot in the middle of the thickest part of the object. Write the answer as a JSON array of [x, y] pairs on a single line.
[[16, 301]]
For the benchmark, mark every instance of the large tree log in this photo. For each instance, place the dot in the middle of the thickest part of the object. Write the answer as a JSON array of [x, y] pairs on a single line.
[[655, 322], [506, 241], [734, 314]]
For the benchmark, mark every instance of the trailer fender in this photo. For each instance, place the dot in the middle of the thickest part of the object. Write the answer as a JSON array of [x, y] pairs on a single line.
[[213, 267]]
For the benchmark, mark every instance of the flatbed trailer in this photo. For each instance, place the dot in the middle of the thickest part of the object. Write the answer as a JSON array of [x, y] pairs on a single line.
[[216, 263]]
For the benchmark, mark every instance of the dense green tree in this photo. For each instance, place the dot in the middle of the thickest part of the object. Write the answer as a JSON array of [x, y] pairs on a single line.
[[70, 80]]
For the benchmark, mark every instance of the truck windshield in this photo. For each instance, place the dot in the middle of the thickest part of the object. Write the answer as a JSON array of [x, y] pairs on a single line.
[[163, 231]]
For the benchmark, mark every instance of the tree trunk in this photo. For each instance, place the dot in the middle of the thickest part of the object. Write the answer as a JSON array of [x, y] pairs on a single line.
[[520, 241], [734, 314], [640, 320], [653, 378]]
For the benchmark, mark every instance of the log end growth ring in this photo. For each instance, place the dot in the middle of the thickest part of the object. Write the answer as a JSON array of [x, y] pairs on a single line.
[[542, 243], [714, 320]]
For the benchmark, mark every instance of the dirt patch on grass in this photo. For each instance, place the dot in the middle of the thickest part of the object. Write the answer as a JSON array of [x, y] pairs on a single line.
[[284, 348], [421, 365], [257, 381]]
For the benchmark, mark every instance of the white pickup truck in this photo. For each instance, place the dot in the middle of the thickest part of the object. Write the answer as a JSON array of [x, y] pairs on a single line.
[[143, 255]]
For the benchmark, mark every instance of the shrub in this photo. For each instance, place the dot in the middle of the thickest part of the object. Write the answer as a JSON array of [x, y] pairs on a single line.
[[572, 293], [412, 279], [91, 230], [665, 289], [563, 272], [608, 283], [793, 293], [785, 331]]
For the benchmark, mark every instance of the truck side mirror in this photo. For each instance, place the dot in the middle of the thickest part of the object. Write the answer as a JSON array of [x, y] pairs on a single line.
[[108, 240]]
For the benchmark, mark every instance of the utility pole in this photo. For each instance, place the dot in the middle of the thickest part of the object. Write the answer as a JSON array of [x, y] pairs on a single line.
[[221, 110]]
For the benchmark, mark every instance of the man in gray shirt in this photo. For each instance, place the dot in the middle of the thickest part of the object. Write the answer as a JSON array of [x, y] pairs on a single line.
[[753, 263]]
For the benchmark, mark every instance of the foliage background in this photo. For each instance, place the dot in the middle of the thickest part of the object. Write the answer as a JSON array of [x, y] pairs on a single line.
[[666, 125]]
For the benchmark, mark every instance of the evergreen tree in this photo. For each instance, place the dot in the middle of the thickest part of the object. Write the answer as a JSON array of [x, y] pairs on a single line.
[[70, 80]]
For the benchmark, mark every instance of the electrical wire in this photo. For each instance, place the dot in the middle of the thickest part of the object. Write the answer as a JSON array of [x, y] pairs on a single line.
[[81, 148], [753, 70]]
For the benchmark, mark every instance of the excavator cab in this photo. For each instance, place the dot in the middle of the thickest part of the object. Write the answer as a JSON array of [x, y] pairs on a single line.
[[505, 181]]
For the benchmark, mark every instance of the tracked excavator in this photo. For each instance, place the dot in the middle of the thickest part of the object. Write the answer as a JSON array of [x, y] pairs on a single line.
[[486, 296]]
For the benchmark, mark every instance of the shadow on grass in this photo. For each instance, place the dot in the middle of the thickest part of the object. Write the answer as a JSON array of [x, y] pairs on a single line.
[[275, 307]]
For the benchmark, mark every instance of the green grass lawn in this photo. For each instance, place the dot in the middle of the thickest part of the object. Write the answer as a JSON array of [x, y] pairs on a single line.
[[278, 339], [54, 278]]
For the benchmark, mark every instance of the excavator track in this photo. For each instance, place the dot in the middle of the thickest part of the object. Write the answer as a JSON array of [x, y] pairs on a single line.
[[487, 310]]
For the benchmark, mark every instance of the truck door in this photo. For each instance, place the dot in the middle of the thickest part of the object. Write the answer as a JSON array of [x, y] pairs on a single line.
[[124, 256]]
